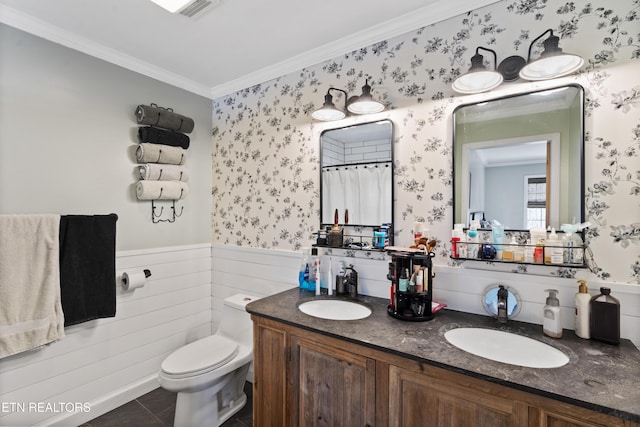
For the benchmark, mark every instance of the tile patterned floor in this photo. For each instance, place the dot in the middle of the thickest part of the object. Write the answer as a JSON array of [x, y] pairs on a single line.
[[156, 409]]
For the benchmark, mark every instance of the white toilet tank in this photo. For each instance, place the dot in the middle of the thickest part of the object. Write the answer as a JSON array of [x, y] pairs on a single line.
[[235, 322]]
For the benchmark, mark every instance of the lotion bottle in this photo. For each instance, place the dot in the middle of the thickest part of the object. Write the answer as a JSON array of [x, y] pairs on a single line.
[[583, 311], [551, 325]]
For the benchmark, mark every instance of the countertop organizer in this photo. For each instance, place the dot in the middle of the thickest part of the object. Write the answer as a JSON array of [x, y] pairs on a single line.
[[161, 155]]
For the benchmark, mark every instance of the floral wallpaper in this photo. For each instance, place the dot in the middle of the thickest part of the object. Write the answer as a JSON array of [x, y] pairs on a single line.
[[266, 145]]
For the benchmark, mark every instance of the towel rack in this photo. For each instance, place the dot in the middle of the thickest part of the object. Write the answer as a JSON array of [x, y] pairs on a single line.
[[155, 218]]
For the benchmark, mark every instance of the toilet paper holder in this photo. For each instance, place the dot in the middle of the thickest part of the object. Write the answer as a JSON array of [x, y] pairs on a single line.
[[126, 280]]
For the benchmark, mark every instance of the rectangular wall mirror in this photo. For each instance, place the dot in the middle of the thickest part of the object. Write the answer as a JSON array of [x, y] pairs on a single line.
[[519, 160], [357, 174]]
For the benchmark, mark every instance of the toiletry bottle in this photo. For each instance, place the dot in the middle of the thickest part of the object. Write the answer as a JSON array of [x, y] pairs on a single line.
[[551, 324], [420, 281], [497, 233], [417, 230], [317, 276], [303, 275], [456, 235], [314, 271], [340, 285], [573, 245], [528, 252], [463, 246], [604, 323], [518, 250], [553, 250], [538, 252], [403, 283], [582, 301], [473, 245], [329, 279], [507, 252]]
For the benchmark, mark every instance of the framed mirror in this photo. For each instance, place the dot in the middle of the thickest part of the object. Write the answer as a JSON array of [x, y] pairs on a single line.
[[519, 160], [357, 174]]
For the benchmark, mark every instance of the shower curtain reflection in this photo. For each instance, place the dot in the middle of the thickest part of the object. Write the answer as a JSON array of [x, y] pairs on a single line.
[[360, 189]]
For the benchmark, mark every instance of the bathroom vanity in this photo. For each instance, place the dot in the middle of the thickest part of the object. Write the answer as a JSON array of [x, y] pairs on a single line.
[[380, 371]]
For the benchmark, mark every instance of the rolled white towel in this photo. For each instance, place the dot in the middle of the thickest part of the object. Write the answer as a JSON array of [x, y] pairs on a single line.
[[162, 172], [161, 190], [159, 153]]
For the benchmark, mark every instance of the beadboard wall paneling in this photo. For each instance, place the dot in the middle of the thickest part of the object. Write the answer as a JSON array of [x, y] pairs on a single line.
[[460, 288], [108, 362], [251, 271]]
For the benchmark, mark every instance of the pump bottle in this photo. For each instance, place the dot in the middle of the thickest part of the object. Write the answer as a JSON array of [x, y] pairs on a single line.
[[551, 324], [583, 311]]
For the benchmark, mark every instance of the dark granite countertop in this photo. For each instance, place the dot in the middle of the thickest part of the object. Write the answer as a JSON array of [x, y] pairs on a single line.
[[601, 377]]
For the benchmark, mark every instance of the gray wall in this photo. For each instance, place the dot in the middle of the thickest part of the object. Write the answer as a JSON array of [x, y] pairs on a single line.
[[68, 137]]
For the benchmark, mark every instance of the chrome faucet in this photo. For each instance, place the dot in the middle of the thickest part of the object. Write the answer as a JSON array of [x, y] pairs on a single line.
[[503, 296]]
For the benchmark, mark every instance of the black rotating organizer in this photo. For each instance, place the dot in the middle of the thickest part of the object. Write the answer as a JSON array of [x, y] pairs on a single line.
[[414, 304]]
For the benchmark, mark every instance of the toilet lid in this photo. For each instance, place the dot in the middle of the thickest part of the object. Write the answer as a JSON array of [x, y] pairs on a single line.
[[200, 356]]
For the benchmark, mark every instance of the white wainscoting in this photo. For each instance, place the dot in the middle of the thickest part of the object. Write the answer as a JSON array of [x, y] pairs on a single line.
[[266, 271], [107, 362]]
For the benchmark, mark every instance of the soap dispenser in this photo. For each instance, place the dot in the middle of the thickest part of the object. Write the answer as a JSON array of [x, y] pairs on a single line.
[[551, 324]]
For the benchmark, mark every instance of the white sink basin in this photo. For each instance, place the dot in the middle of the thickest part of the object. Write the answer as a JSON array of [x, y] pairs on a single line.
[[506, 347], [334, 309]]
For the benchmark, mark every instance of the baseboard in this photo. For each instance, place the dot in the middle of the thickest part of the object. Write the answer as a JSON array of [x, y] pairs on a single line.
[[105, 404]]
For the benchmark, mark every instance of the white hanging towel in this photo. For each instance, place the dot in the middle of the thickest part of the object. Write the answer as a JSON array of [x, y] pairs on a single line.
[[159, 153], [30, 304], [162, 172]]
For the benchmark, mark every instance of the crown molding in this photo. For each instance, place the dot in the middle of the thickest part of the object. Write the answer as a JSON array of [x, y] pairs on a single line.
[[428, 15], [37, 27], [437, 11]]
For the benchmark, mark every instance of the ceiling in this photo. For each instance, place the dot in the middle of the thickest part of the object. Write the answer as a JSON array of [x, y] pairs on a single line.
[[229, 47]]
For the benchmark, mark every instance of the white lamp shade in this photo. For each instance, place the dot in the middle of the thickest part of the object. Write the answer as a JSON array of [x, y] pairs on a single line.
[[477, 81], [551, 67], [367, 106], [328, 114]]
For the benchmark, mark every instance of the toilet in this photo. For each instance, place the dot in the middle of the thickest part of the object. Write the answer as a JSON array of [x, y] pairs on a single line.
[[209, 374]]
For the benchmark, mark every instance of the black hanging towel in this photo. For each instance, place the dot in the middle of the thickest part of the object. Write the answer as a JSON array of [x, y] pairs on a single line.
[[164, 118], [87, 267], [161, 136]]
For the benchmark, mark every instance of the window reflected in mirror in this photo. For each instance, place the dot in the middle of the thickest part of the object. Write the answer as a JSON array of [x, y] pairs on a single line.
[[357, 174], [518, 160]]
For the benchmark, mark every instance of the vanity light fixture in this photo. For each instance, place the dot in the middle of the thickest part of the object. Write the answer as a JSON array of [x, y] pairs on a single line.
[[479, 78], [552, 62], [363, 104], [329, 111]]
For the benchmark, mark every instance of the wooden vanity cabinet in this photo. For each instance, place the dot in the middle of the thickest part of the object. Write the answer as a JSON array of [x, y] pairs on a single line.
[[305, 379]]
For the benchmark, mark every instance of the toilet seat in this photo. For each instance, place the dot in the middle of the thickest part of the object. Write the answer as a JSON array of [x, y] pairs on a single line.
[[200, 357]]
